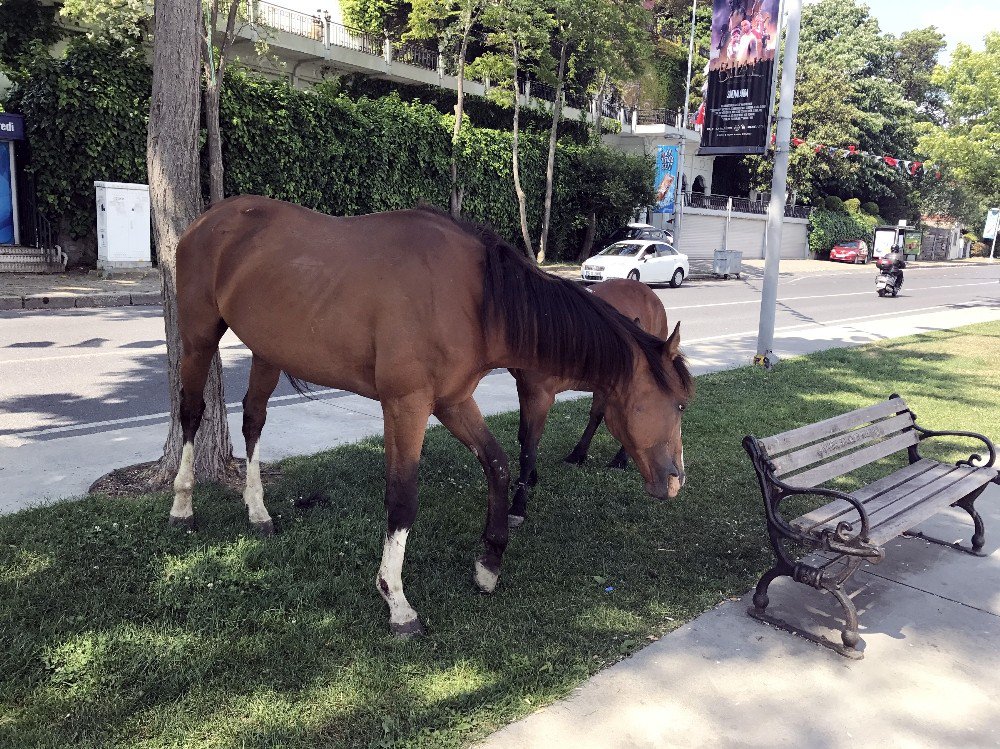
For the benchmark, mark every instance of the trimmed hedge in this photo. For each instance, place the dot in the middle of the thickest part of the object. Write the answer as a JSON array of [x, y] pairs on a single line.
[[86, 117], [827, 228]]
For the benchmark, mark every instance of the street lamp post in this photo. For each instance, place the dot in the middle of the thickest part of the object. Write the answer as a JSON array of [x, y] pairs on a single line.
[[776, 208]]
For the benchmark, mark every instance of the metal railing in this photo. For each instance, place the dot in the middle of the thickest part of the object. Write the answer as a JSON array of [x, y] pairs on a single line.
[[740, 205], [414, 54], [359, 41], [288, 20]]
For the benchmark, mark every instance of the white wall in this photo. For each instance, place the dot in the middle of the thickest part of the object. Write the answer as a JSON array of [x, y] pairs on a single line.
[[703, 232]]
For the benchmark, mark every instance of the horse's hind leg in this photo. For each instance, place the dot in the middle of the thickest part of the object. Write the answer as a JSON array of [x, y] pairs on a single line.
[[466, 422], [198, 348], [535, 403], [263, 380]]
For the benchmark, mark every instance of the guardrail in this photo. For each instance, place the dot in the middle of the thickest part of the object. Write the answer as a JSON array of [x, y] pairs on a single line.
[[740, 205], [285, 19], [414, 54], [359, 41]]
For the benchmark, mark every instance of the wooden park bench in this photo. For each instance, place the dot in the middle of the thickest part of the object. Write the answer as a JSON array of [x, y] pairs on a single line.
[[854, 527]]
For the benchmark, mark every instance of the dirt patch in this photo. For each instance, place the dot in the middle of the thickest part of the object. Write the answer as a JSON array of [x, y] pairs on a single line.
[[135, 480]]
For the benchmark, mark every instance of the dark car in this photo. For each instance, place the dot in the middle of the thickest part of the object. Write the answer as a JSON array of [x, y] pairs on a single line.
[[638, 231], [855, 251]]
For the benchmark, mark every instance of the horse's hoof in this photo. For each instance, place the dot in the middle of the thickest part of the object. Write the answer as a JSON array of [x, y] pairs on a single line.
[[186, 523], [407, 630], [575, 459], [485, 578], [515, 521], [264, 528], [620, 465]]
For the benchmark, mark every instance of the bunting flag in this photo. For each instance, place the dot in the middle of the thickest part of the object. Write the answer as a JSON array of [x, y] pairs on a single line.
[[904, 166]]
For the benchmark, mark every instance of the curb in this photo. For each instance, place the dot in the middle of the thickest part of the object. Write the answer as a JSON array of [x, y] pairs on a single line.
[[57, 301]]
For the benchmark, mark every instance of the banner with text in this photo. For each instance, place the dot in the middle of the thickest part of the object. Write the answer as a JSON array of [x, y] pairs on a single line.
[[667, 158], [740, 77]]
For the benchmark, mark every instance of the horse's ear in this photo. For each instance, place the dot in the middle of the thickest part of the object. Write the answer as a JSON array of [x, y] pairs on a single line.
[[673, 346]]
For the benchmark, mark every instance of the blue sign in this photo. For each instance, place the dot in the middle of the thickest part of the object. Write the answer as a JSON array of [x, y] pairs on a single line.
[[11, 126], [6, 198], [667, 162]]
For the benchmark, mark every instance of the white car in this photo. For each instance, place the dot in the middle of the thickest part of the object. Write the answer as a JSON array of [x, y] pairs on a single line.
[[638, 259]]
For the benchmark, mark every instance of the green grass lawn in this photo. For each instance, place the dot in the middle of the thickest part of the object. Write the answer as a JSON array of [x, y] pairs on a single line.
[[116, 630]]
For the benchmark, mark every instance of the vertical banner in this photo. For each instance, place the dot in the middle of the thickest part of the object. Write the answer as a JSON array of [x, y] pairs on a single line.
[[992, 224], [740, 77], [6, 195], [667, 158]]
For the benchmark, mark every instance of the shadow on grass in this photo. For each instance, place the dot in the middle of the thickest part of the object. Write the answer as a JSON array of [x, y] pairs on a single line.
[[121, 631]]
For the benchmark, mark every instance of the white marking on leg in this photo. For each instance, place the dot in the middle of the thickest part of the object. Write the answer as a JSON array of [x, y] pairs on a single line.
[[253, 494], [390, 578], [184, 484], [486, 580]]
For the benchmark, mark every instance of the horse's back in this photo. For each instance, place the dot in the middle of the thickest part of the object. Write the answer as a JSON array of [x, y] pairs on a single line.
[[637, 302], [299, 287]]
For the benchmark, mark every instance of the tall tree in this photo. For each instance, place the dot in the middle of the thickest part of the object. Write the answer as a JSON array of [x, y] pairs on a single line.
[[967, 146], [449, 20], [175, 199], [214, 62], [911, 66], [519, 34]]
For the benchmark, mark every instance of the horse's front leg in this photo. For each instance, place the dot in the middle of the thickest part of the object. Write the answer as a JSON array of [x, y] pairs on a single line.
[[579, 453], [465, 421], [405, 424], [535, 401]]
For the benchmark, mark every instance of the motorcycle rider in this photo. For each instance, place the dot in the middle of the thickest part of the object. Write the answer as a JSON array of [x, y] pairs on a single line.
[[892, 264]]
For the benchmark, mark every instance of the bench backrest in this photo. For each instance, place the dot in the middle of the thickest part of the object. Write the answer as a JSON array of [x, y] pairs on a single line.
[[818, 452]]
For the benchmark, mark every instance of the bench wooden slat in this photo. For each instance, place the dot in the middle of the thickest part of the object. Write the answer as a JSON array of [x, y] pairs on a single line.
[[793, 438], [840, 443], [904, 520], [838, 510], [835, 468]]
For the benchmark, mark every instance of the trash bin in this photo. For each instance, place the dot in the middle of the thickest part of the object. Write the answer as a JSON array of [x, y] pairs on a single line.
[[727, 263]]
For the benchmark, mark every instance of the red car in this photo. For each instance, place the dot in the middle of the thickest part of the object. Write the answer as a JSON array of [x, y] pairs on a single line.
[[855, 251]]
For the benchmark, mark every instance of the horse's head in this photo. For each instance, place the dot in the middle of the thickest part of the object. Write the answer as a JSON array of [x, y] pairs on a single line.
[[645, 417]]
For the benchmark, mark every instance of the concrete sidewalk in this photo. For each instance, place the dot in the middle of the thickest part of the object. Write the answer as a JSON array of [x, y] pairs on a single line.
[[78, 289]]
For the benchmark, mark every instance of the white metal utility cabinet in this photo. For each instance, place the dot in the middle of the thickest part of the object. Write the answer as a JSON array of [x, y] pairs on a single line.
[[123, 228]]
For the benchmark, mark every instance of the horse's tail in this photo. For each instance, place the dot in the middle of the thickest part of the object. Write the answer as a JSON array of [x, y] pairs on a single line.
[[301, 387]]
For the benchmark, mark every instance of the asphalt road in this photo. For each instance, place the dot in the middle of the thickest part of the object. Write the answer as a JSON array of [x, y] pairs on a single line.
[[62, 371]]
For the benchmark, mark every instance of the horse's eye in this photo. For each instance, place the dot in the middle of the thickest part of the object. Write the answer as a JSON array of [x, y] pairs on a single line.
[[681, 407]]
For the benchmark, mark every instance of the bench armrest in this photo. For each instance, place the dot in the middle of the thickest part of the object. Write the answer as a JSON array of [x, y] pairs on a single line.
[[975, 460], [842, 539]]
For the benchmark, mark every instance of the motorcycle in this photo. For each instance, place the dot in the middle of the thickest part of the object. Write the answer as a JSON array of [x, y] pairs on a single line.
[[889, 280]]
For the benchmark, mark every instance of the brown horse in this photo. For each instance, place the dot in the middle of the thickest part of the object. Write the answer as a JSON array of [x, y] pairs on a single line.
[[410, 308], [536, 392]]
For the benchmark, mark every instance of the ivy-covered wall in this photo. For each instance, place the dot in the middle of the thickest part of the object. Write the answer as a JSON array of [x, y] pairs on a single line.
[[828, 227], [86, 119]]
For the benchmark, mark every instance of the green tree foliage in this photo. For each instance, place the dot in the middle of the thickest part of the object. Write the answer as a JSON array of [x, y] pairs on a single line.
[[913, 61], [846, 96], [967, 145], [377, 16], [26, 26]]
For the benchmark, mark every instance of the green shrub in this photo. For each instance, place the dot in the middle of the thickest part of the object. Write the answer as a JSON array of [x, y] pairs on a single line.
[[852, 205], [970, 236], [833, 203], [86, 116], [870, 208], [827, 228]]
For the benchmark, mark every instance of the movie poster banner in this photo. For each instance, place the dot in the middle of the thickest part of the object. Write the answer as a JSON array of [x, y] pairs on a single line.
[[667, 162], [740, 76]]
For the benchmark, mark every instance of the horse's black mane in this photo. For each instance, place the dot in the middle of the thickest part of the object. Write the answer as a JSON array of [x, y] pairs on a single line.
[[557, 322]]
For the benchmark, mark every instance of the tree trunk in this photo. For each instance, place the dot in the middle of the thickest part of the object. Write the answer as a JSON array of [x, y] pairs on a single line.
[[588, 237], [456, 190], [521, 201], [214, 141], [175, 201], [599, 120], [550, 167]]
